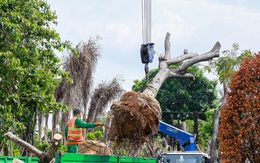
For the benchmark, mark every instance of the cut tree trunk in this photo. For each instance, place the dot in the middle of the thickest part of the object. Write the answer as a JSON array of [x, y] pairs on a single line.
[[50, 154], [44, 157]]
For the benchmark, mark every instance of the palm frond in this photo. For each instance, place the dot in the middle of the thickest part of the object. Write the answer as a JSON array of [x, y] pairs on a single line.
[[103, 94]]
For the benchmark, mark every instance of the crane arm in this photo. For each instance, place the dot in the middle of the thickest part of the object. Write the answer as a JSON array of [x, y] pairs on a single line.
[[185, 139]]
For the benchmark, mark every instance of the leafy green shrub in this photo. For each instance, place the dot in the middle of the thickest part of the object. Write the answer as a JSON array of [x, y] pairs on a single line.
[[96, 135]]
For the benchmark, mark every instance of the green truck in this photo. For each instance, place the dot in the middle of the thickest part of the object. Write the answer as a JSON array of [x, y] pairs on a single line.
[[175, 157], [81, 158]]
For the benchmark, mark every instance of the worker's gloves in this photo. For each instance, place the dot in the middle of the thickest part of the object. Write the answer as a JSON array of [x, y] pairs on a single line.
[[99, 124]]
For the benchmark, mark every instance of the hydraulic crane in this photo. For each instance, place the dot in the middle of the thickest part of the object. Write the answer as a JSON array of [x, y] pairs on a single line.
[[184, 138]]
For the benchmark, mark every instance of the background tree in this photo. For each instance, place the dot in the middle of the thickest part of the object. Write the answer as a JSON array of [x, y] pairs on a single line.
[[224, 68], [183, 94], [28, 66], [81, 69], [239, 127]]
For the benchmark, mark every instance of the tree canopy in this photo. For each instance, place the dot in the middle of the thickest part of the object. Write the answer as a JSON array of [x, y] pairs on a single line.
[[239, 127], [29, 65], [184, 94]]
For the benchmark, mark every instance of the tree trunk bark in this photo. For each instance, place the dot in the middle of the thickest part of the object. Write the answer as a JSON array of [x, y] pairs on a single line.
[[214, 142], [184, 126], [64, 121], [40, 117], [6, 150], [46, 127], [1, 147], [196, 126], [108, 123], [214, 153], [44, 157], [55, 123], [85, 111]]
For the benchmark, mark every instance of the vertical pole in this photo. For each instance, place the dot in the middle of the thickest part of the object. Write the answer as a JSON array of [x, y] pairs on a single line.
[[147, 21]]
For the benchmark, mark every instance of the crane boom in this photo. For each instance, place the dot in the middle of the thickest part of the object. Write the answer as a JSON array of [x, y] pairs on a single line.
[[184, 138]]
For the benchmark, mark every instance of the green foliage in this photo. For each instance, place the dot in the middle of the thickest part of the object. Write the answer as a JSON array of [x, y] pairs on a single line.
[[189, 125], [182, 94], [42, 146], [206, 129], [96, 135], [29, 65], [17, 152], [62, 148]]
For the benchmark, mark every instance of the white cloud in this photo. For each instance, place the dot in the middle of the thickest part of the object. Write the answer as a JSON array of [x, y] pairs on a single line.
[[176, 25], [195, 25], [119, 32]]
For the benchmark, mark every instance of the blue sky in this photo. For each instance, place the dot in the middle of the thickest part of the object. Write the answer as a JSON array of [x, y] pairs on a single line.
[[193, 24]]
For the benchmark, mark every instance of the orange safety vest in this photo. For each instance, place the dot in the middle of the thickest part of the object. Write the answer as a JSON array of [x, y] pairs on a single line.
[[74, 132]]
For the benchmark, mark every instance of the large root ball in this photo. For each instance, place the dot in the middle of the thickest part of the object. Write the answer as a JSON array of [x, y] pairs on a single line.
[[134, 117]]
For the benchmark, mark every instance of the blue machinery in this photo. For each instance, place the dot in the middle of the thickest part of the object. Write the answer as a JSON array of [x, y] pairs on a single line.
[[185, 139]]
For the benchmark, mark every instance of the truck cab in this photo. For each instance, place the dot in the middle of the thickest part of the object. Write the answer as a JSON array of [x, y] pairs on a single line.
[[184, 157]]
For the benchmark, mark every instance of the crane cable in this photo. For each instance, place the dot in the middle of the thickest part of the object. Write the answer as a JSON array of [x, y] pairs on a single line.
[[146, 67]]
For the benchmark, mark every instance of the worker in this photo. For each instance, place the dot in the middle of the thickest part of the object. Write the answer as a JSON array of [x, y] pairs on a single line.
[[73, 130]]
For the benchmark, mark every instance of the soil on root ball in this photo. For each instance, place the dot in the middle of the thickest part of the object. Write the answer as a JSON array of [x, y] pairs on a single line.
[[134, 117]]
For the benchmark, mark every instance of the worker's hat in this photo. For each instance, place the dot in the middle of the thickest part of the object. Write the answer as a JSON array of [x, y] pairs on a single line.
[[76, 110]]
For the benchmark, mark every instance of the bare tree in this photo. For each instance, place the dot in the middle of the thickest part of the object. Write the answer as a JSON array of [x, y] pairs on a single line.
[[81, 69], [187, 60]]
